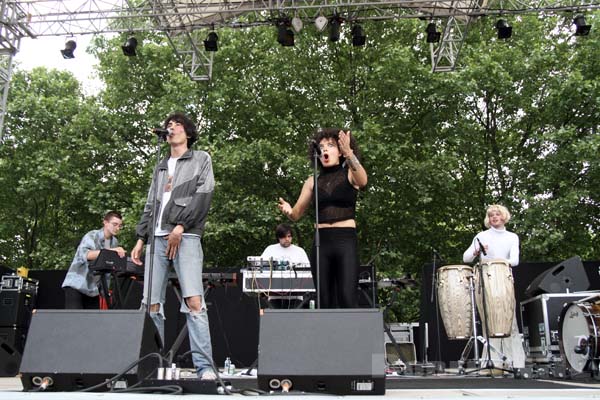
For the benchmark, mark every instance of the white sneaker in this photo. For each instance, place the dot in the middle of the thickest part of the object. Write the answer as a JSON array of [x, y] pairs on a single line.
[[208, 375]]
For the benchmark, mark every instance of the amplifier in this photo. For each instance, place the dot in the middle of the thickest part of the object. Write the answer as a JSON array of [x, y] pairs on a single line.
[[16, 307], [288, 281]]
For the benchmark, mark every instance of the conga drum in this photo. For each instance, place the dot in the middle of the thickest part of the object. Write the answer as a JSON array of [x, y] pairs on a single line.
[[579, 334], [454, 300], [498, 290]]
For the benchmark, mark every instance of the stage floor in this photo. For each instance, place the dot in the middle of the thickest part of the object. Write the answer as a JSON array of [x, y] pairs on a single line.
[[431, 387]]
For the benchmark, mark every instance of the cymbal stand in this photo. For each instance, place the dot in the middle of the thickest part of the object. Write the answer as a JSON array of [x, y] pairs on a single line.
[[435, 300]]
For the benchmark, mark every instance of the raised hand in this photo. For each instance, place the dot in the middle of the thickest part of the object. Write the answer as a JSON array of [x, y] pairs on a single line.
[[285, 207], [344, 143]]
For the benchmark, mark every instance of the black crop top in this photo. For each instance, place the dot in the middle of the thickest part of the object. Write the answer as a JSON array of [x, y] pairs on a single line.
[[337, 196]]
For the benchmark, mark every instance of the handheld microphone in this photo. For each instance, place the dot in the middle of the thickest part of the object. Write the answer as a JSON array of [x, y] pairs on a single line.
[[481, 248], [436, 253], [161, 132], [316, 148]]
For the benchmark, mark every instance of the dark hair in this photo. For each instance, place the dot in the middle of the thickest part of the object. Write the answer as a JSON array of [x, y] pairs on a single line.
[[282, 231], [112, 214], [331, 133], [188, 126]]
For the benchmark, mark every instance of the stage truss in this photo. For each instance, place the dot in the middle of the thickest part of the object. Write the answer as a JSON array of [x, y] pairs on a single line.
[[187, 22]]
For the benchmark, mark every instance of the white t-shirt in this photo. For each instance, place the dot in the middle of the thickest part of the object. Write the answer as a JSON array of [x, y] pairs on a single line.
[[292, 254], [166, 197]]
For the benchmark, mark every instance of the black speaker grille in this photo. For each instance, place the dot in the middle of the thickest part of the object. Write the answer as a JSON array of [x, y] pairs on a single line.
[[79, 344], [323, 350]]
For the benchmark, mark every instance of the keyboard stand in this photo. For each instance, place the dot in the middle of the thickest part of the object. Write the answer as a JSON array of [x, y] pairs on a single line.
[[104, 289]]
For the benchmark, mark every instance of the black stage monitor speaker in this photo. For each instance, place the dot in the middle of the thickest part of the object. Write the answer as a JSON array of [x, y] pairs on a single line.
[[328, 351], [567, 276], [77, 349]]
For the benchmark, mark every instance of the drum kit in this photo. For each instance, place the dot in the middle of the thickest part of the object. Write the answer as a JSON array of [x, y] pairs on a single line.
[[489, 286], [579, 332]]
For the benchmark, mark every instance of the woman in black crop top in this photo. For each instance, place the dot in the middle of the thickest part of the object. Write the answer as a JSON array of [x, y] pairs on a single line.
[[341, 176]]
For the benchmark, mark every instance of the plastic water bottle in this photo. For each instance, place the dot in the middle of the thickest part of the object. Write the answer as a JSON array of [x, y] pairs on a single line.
[[227, 365]]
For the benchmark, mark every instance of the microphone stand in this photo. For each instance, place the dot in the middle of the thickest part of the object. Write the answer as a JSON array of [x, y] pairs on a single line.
[[151, 239], [317, 236], [473, 341], [489, 364], [436, 304]]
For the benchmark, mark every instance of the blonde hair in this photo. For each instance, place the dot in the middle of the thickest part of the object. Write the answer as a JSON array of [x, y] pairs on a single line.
[[496, 207]]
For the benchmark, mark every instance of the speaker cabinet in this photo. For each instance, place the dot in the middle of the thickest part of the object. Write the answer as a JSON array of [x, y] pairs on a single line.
[[337, 351], [10, 358], [567, 276], [15, 307], [77, 349], [15, 337]]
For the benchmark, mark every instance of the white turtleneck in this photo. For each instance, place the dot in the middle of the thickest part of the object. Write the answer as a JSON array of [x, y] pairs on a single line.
[[501, 243]]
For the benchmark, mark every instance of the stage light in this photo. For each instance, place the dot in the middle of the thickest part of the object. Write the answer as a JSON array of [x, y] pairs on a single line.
[[70, 47], [581, 29], [285, 36], [433, 36], [334, 28], [504, 29], [358, 36], [297, 24], [321, 23], [129, 47], [212, 42]]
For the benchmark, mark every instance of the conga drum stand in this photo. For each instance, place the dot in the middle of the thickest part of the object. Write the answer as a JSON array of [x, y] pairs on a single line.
[[488, 363], [469, 345]]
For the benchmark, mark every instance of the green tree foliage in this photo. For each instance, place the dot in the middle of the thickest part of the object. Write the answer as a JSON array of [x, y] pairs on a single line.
[[61, 167]]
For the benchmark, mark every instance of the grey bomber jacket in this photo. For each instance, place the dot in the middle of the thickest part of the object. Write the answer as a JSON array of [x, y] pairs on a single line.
[[191, 194]]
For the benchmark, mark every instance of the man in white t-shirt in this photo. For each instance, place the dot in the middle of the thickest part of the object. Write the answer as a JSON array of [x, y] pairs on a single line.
[[285, 250]]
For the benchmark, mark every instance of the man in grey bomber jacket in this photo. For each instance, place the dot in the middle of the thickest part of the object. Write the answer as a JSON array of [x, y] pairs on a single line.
[[183, 183]]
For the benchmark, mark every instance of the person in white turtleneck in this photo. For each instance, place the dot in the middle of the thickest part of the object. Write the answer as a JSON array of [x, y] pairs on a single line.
[[499, 244], [497, 241]]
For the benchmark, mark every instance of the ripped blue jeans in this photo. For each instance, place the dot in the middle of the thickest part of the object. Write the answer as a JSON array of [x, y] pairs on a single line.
[[188, 267]]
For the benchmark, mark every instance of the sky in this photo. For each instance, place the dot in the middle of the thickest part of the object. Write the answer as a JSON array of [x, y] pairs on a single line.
[[45, 51]]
